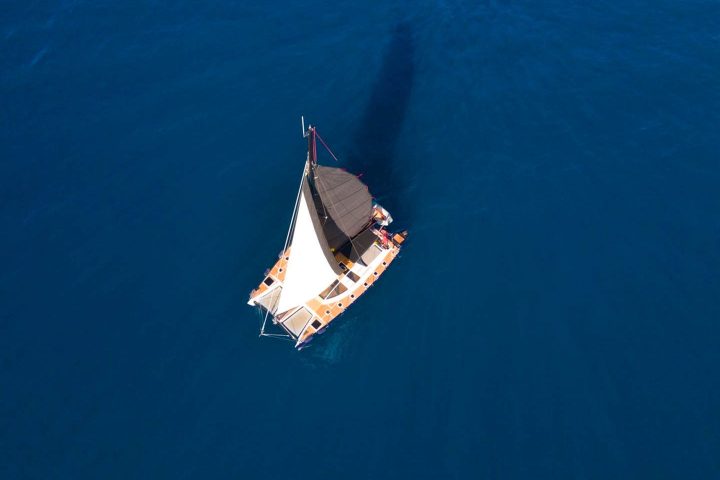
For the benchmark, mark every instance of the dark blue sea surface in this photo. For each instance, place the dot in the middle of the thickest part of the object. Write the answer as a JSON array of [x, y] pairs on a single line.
[[555, 313]]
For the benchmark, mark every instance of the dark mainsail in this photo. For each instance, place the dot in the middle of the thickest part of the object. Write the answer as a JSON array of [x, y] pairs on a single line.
[[345, 198], [343, 202]]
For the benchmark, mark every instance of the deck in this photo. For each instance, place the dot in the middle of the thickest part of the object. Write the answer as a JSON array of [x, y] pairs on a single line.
[[316, 314]]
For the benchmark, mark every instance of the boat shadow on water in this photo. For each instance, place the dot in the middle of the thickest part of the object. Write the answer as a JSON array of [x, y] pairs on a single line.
[[373, 148]]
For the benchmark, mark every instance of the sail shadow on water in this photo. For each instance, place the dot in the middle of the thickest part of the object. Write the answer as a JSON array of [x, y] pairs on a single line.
[[373, 148]]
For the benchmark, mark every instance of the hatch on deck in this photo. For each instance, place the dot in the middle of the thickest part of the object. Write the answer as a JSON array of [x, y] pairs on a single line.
[[296, 322], [269, 301], [371, 254]]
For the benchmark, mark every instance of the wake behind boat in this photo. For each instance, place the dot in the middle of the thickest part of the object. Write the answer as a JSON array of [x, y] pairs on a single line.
[[336, 248]]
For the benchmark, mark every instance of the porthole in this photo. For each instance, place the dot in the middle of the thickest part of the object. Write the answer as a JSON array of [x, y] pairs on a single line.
[[340, 305], [384, 263], [352, 296], [280, 270], [327, 312], [365, 284], [376, 273]]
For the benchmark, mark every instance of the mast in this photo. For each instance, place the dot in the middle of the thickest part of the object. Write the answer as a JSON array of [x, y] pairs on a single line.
[[312, 146]]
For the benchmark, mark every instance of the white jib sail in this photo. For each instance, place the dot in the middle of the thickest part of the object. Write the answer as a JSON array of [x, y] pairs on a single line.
[[308, 272]]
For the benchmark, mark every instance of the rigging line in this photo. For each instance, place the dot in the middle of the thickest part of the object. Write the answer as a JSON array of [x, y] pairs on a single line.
[[326, 147], [277, 335], [315, 192], [295, 208], [260, 317], [262, 329], [272, 335], [290, 230], [325, 213]]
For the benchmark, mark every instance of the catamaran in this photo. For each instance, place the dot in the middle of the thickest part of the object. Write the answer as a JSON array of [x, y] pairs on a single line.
[[336, 248]]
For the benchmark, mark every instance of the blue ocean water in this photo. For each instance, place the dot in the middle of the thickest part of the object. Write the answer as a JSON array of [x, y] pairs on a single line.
[[554, 313]]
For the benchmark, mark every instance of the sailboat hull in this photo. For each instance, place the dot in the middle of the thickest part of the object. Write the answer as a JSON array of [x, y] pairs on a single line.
[[313, 316]]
